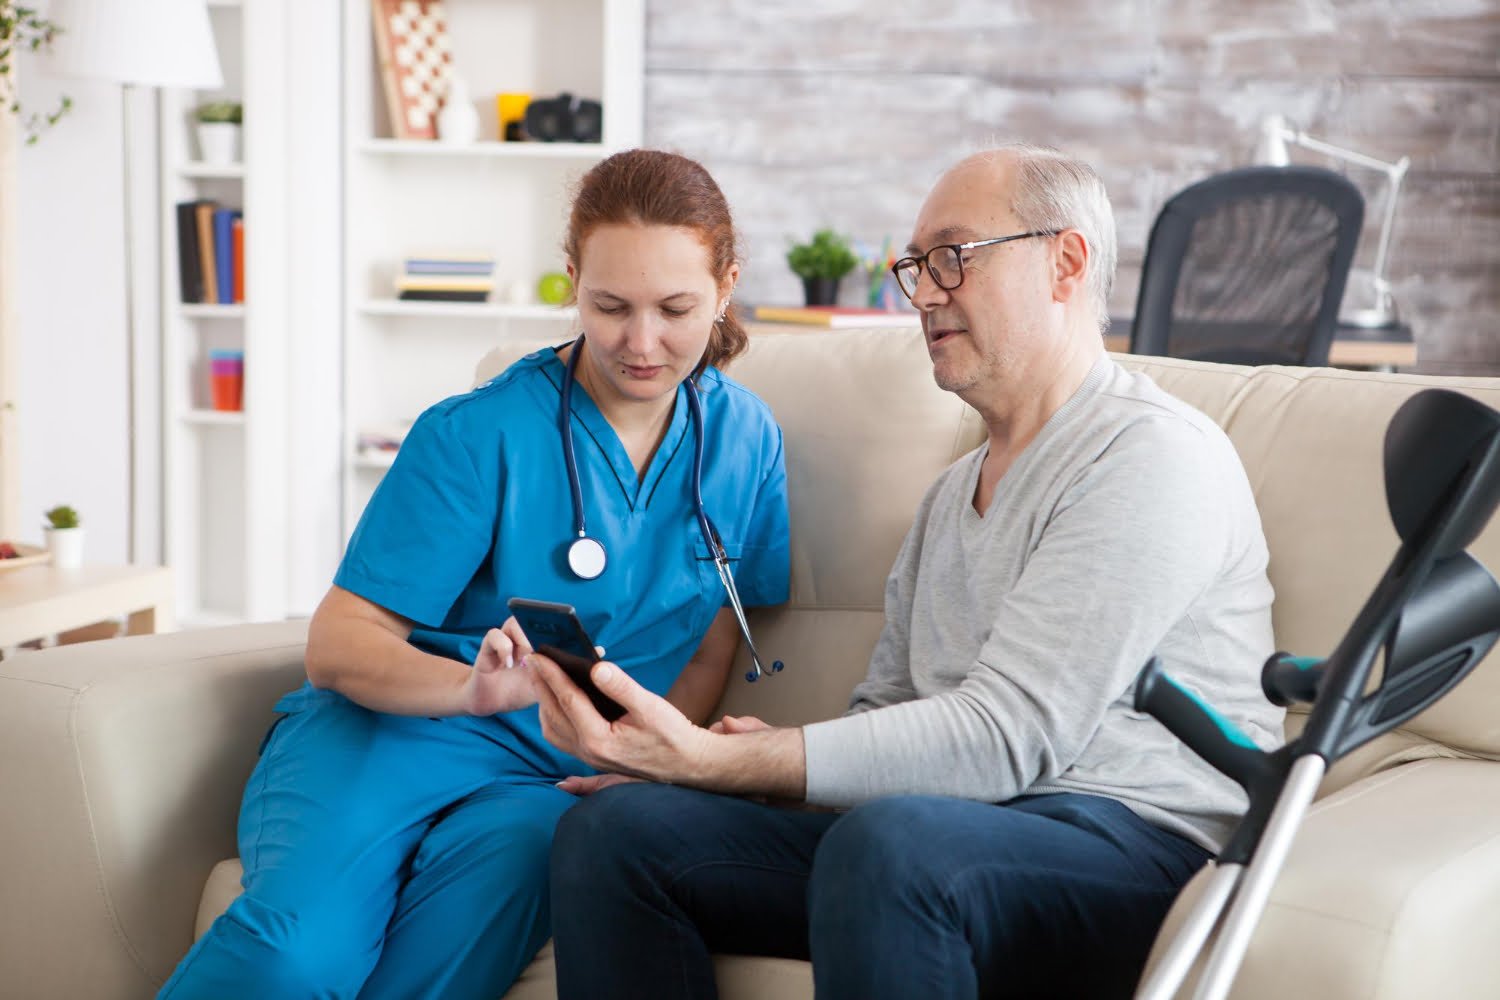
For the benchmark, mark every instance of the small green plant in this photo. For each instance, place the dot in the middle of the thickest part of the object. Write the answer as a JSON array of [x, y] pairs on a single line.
[[827, 256], [231, 112], [62, 516], [23, 29]]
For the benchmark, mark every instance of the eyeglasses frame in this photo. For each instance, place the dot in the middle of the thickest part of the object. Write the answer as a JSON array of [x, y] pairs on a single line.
[[921, 264]]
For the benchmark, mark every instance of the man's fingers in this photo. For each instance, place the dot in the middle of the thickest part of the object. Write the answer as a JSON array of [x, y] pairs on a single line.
[[620, 686], [587, 785]]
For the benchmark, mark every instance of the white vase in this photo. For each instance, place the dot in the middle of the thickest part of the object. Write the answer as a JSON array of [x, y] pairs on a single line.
[[66, 546], [458, 122], [219, 142]]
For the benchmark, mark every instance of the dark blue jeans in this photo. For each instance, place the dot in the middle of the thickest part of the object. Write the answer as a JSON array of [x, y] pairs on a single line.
[[911, 896]]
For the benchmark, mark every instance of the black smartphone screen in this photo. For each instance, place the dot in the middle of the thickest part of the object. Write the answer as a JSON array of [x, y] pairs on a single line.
[[555, 631]]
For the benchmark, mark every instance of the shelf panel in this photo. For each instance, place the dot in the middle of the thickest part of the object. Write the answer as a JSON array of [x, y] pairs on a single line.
[[212, 171], [490, 149], [465, 310], [207, 310], [215, 418]]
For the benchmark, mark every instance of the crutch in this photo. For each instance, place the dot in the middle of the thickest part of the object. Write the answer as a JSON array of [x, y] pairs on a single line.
[[1434, 614]]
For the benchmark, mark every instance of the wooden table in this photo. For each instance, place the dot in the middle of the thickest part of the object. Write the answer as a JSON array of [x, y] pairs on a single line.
[[1348, 350], [37, 602]]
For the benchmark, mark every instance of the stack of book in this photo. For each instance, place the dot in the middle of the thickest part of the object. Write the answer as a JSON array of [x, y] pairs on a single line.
[[446, 279], [851, 317], [210, 252]]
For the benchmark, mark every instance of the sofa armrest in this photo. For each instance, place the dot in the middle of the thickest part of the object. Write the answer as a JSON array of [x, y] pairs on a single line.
[[122, 764], [1389, 891]]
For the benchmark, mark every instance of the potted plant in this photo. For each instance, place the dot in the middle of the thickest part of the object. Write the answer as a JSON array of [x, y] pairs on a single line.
[[219, 131], [821, 264], [64, 537]]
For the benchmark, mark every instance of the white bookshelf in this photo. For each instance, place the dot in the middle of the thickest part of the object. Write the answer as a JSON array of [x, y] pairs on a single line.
[[224, 473], [504, 200]]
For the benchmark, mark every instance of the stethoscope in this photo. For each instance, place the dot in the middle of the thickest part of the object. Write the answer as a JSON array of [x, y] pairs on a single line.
[[586, 556]]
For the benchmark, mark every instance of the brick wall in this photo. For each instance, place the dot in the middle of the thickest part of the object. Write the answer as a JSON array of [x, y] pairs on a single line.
[[842, 112]]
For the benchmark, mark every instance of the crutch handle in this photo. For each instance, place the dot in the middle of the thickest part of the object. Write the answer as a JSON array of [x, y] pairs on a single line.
[[1286, 678], [1204, 730]]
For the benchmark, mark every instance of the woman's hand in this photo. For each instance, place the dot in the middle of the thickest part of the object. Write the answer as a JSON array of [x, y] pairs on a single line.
[[500, 680]]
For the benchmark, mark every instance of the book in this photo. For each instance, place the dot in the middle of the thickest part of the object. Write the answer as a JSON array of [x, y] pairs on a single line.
[[224, 253], [475, 266], [837, 316], [239, 257], [204, 211], [443, 283], [189, 265], [420, 295]]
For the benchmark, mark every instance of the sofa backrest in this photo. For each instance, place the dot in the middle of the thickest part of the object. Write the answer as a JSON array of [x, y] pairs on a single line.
[[867, 431]]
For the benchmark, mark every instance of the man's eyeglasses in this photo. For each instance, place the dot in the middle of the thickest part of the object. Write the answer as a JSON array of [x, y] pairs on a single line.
[[946, 263]]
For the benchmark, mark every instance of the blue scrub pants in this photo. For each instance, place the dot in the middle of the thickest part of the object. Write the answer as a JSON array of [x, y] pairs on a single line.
[[912, 896], [384, 856]]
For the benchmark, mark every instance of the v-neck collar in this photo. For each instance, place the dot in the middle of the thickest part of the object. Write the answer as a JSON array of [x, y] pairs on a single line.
[[1088, 388], [599, 433]]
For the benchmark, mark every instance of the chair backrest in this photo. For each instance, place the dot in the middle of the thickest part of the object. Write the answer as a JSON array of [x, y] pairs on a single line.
[[1248, 267]]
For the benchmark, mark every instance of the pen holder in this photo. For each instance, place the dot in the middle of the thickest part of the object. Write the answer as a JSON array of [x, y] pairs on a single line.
[[227, 379]]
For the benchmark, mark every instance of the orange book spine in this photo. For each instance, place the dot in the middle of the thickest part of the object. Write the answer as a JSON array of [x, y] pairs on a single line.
[[239, 260]]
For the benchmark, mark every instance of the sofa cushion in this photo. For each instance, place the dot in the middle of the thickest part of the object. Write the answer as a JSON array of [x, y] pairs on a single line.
[[1389, 892]]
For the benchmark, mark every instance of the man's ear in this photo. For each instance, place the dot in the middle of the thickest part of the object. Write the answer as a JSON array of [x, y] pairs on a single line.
[[1070, 262]]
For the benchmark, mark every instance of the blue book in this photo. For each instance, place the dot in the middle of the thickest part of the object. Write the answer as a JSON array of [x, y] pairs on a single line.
[[224, 253]]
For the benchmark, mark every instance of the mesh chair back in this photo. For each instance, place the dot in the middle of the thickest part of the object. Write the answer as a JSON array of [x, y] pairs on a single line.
[[1248, 267]]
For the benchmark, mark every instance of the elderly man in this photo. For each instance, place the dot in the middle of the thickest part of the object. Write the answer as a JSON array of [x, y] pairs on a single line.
[[1002, 822]]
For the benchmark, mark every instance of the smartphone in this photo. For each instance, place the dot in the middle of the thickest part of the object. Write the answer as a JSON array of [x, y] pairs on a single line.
[[555, 631]]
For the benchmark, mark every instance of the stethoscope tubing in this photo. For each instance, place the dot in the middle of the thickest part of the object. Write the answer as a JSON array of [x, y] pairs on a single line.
[[710, 533]]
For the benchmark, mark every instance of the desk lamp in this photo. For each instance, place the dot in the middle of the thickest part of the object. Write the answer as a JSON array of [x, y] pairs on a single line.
[[1275, 133]]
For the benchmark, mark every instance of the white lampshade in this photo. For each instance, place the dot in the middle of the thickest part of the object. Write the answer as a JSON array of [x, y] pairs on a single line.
[[160, 43]]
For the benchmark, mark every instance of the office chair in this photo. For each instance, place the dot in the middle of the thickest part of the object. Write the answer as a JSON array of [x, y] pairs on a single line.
[[1248, 267]]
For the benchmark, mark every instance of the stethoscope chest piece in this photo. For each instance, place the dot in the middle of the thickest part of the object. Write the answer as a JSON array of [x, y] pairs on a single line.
[[586, 558]]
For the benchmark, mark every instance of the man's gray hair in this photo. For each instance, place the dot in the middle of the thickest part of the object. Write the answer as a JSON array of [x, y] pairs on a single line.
[[1056, 191]]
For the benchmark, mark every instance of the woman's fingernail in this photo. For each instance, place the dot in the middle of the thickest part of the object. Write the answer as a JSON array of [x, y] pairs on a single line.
[[604, 673]]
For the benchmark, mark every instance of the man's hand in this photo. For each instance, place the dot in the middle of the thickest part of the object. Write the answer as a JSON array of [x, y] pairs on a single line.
[[738, 724], [577, 784], [500, 680], [652, 740], [587, 785]]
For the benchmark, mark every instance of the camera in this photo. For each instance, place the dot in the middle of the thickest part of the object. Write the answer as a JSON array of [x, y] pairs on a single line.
[[564, 118]]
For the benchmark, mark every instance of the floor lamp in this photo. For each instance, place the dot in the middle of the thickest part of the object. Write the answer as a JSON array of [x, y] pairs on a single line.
[[136, 43]]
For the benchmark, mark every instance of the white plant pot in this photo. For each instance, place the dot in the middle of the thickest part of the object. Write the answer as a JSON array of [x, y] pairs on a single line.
[[66, 546], [219, 142]]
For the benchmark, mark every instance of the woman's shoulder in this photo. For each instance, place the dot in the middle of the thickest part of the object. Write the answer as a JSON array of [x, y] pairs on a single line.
[[523, 384], [737, 401]]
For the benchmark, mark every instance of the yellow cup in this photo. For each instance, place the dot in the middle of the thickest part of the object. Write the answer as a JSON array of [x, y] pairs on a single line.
[[510, 109]]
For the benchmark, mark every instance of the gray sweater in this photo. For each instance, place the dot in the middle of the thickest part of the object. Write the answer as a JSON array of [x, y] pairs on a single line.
[[1012, 641]]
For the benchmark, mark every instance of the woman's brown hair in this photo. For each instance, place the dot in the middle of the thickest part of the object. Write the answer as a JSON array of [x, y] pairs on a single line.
[[655, 188]]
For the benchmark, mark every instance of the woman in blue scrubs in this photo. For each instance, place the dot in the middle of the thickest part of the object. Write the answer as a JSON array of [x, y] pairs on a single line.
[[395, 833]]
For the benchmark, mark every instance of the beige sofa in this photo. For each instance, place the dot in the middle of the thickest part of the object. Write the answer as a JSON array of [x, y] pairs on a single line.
[[121, 762]]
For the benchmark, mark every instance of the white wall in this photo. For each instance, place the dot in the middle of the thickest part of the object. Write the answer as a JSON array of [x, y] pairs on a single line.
[[73, 359], [72, 374]]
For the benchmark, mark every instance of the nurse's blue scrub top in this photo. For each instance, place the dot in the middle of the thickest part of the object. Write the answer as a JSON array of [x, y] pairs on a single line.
[[477, 510]]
